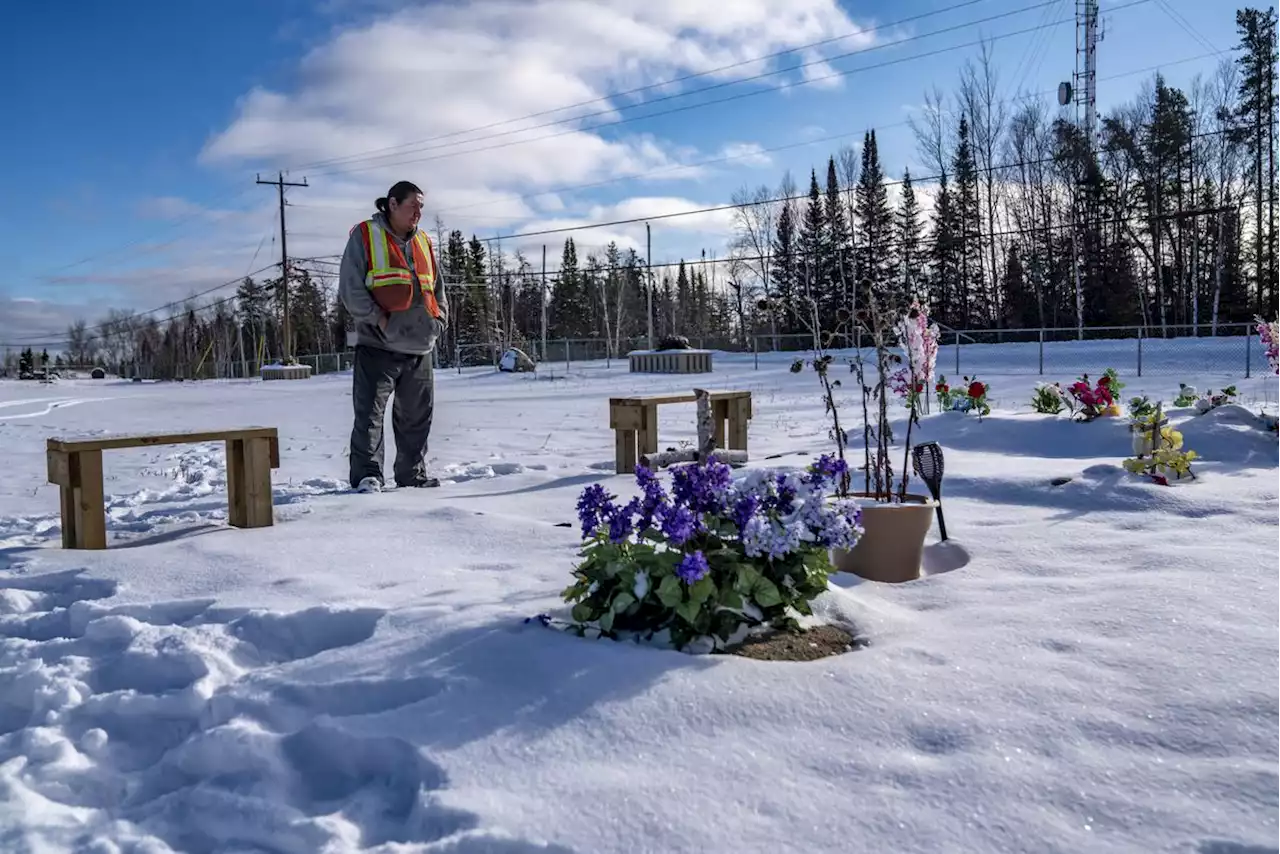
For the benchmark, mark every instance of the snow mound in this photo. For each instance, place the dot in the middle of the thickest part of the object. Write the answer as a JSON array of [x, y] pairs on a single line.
[[1232, 436], [170, 726]]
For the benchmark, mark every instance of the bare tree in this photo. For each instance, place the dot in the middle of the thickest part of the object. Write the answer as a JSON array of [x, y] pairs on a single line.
[[744, 288], [988, 120], [754, 221], [79, 343], [933, 132], [1226, 167]]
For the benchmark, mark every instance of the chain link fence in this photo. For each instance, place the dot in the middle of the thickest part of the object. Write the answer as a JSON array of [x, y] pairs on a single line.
[[1227, 350]]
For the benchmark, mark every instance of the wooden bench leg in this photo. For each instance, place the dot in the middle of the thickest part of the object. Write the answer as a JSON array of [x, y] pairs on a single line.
[[249, 502], [237, 512], [67, 500], [739, 415], [719, 415], [624, 451], [84, 514], [647, 436]]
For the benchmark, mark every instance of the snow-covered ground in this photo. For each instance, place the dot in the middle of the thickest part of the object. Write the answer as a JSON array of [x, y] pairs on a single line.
[[1098, 673]]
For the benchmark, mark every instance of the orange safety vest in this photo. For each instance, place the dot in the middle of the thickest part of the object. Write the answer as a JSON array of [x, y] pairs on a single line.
[[389, 279]]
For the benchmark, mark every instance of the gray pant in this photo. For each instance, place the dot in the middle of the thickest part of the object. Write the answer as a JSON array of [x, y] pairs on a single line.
[[377, 373]]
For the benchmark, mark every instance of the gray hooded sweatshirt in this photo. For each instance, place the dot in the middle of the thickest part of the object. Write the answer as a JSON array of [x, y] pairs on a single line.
[[413, 331]]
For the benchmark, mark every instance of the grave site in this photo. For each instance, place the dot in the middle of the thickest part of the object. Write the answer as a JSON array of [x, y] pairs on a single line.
[[642, 615]]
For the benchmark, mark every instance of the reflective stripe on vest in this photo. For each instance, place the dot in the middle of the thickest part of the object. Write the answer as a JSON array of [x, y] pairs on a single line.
[[388, 268]]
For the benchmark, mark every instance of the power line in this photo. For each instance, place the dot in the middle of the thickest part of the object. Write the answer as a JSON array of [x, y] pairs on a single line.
[[1178, 19], [175, 224], [372, 153], [787, 146], [773, 200], [888, 244], [736, 97], [195, 217], [798, 254], [52, 337], [674, 214], [797, 197], [192, 218]]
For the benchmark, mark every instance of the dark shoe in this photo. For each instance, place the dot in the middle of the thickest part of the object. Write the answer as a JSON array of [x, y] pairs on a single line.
[[423, 482]]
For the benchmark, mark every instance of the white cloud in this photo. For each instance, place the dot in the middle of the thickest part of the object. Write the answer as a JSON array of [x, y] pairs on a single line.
[[400, 96], [819, 74], [746, 153], [491, 63]]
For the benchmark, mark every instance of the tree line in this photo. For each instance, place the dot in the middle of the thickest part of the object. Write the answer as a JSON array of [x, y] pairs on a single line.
[[1166, 218]]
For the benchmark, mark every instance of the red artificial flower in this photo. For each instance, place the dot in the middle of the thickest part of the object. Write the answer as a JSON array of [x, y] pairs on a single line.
[[977, 389], [919, 387], [1104, 381], [943, 388]]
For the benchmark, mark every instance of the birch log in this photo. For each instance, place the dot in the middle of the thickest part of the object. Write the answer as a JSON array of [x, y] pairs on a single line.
[[706, 449]]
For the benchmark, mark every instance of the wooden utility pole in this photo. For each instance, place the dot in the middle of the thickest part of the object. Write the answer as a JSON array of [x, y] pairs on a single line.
[[544, 302], [286, 339], [648, 260]]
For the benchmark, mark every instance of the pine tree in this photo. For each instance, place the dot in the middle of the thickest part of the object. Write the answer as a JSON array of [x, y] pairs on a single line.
[[875, 225], [339, 323], [704, 308], [455, 258], [255, 315], [1256, 128], [570, 300], [908, 240], [684, 300], [307, 314], [1155, 150], [785, 272], [971, 310], [471, 308], [836, 278], [1021, 310], [813, 237], [944, 256]]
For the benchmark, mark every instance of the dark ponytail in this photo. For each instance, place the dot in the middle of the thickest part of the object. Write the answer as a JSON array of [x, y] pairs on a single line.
[[400, 191]]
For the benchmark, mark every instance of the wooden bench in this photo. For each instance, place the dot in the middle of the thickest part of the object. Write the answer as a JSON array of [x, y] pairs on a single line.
[[669, 361], [75, 465], [634, 421]]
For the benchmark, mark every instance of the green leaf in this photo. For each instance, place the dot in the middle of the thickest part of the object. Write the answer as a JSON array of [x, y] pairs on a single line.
[[606, 621], [731, 598], [748, 577], [582, 612], [669, 591], [702, 590], [688, 611], [766, 594], [574, 591], [621, 602]]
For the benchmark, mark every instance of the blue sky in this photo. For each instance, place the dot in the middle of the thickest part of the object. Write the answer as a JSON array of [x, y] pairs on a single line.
[[144, 122]]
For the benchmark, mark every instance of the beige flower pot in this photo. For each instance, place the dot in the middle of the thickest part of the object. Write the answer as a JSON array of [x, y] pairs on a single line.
[[891, 548]]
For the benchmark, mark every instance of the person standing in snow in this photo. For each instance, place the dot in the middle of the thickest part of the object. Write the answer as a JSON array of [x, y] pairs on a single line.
[[389, 285]]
